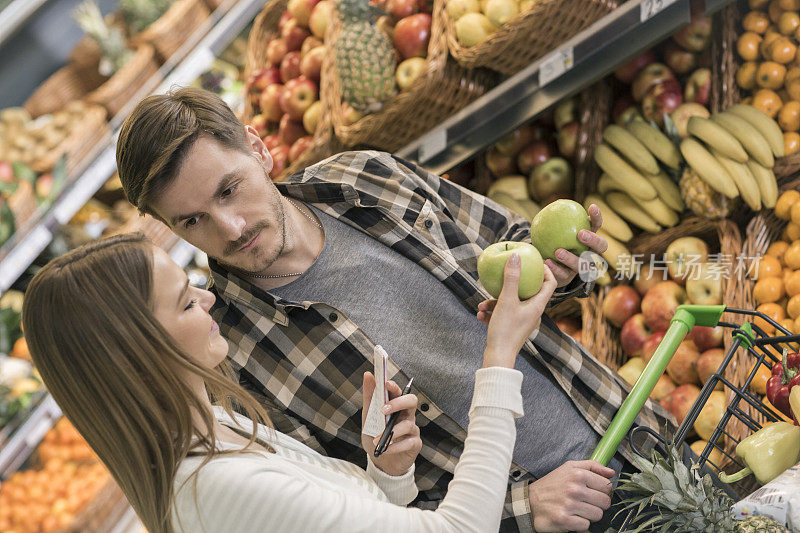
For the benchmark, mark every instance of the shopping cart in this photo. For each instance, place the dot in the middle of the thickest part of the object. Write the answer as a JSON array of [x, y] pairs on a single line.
[[744, 406]]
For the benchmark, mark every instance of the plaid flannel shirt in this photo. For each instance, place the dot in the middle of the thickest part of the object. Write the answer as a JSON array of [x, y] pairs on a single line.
[[305, 360]]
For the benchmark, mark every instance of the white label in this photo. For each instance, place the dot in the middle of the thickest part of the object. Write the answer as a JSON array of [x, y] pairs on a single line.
[[651, 7], [432, 144], [375, 422], [555, 65], [23, 255]]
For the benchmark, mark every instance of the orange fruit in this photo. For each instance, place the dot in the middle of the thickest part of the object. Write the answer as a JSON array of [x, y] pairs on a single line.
[[748, 100], [788, 22], [794, 214], [759, 382], [792, 283], [767, 101], [774, 11], [768, 267], [768, 290], [758, 4], [789, 116], [746, 75], [789, 5], [793, 73], [769, 37], [793, 307], [796, 324], [20, 349], [770, 75], [772, 310], [792, 231], [756, 21], [787, 324], [782, 50], [785, 202], [791, 142], [793, 88], [747, 45], [778, 248], [784, 96], [791, 258]]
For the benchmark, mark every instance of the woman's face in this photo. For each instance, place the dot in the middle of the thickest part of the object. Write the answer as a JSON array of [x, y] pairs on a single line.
[[183, 312]]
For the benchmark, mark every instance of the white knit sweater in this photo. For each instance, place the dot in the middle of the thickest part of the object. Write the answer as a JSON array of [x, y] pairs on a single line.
[[298, 490]]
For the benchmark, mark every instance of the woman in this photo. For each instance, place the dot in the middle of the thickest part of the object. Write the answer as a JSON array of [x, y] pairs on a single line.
[[128, 350]]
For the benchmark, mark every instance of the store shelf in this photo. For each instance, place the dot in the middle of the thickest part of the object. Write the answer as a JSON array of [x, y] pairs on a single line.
[[197, 55], [24, 440], [14, 15], [582, 60]]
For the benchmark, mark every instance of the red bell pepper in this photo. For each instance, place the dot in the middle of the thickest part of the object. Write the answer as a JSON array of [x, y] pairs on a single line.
[[785, 375]]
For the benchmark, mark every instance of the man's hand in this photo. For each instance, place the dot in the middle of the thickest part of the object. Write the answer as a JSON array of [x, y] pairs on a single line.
[[567, 266], [571, 497]]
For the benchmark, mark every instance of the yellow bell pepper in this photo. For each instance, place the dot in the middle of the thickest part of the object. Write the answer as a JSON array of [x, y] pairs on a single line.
[[767, 453]]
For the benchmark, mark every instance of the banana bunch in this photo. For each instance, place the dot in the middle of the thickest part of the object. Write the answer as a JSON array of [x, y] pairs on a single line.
[[734, 152], [512, 193]]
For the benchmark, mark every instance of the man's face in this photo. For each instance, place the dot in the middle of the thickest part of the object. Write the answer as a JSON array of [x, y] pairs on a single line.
[[223, 202]]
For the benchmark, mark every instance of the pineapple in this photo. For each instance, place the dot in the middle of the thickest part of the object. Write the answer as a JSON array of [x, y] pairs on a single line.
[[139, 14], [110, 40], [365, 57], [684, 501], [701, 199]]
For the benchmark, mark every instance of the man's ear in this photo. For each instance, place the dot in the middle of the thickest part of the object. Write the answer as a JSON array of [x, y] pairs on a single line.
[[258, 147]]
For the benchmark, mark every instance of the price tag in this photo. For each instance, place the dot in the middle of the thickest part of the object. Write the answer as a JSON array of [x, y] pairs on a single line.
[[432, 144], [23, 255], [651, 7], [556, 64]]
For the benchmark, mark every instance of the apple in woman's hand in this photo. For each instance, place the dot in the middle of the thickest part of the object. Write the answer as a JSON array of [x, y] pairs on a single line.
[[492, 264], [557, 226]]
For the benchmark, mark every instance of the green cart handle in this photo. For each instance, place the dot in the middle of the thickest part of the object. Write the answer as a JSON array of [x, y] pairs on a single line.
[[686, 317]]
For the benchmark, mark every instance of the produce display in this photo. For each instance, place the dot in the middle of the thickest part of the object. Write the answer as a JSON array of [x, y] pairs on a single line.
[[476, 20]]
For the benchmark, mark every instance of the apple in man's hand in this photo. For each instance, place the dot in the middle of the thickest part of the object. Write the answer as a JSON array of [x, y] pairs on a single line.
[[492, 264], [557, 226]]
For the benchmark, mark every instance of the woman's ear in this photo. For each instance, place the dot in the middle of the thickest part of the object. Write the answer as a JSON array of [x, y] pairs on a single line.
[[259, 148]]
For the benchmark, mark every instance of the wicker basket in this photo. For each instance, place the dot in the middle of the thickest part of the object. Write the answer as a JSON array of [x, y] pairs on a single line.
[[84, 139], [441, 90], [529, 36], [595, 112], [120, 88], [65, 85], [584, 310], [174, 28], [264, 28]]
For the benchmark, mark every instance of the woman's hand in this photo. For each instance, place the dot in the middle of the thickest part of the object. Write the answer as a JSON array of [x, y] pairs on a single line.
[[566, 268], [510, 320], [406, 442]]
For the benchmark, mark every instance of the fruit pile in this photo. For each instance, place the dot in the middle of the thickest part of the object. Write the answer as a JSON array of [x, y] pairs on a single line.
[[643, 313], [284, 92], [777, 287], [770, 72], [49, 498], [26, 141], [476, 20]]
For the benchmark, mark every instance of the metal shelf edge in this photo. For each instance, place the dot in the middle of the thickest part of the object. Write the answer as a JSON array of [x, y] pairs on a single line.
[[25, 439], [15, 14]]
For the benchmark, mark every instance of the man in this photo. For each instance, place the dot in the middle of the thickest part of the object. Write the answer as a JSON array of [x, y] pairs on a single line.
[[364, 249]]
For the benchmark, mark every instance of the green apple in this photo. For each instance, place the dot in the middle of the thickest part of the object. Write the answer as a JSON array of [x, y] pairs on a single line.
[[492, 264], [557, 226]]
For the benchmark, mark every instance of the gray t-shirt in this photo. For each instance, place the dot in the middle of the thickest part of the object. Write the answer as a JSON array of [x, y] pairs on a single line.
[[427, 331]]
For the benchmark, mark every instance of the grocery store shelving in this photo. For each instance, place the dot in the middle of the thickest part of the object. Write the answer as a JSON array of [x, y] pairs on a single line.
[[15, 14], [197, 55], [587, 57], [24, 440]]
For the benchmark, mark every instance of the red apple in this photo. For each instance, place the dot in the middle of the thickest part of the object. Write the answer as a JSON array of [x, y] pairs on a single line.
[[708, 363], [400, 9], [270, 102], [627, 72], [621, 104], [299, 146], [683, 256], [297, 96], [272, 142], [568, 139], [661, 98], [532, 155], [261, 79], [280, 158], [660, 302], [276, 51], [411, 35], [309, 44], [681, 367], [695, 36], [650, 344], [290, 130], [553, 177], [320, 18], [651, 75], [290, 66], [680, 117], [568, 325], [511, 143], [679, 60], [44, 185], [285, 17], [301, 10], [647, 278], [500, 165], [408, 71], [311, 64], [259, 123], [565, 112], [620, 304], [6, 172], [706, 338], [294, 35], [679, 402], [633, 335], [663, 387], [311, 117], [698, 86]]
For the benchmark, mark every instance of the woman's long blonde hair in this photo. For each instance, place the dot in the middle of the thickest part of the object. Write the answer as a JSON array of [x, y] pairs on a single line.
[[113, 369]]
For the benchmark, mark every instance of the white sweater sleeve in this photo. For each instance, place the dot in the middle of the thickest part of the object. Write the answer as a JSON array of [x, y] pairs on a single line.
[[243, 496]]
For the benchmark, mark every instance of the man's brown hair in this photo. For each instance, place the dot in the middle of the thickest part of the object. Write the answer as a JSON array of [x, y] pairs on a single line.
[[157, 135]]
